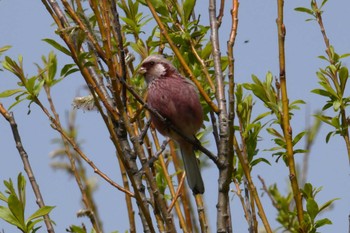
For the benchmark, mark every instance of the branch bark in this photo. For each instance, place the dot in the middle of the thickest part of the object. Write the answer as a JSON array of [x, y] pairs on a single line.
[[225, 172]]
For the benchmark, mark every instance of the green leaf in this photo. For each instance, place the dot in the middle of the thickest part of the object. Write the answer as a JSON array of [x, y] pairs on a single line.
[[17, 102], [274, 132], [256, 161], [298, 137], [3, 197], [305, 10], [344, 55], [7, 215], [299, 151], [335, 122], [52, 67], [17, 209], [160, 7], [57, 46], [343, 77], [188, 6], [322, 92], [324, 2], [307, 190], [40, 212], [21, 187], [322, 222], [327, 204], [76, 229], [312, 208], [30, 225], [329, 135], [9, 93], [4, 48], [323, 58], [327, 106]]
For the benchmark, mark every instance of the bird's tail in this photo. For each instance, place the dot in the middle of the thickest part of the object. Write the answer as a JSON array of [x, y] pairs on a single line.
[[194, 177]]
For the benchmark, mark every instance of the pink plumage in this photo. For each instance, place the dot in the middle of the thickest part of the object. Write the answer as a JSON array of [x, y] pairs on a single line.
[[176, 99]]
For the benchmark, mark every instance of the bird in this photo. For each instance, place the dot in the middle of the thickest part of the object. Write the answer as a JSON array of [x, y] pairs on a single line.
[[176, 99]]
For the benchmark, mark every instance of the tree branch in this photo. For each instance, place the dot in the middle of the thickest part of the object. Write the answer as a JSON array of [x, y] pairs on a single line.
[[287, 129]]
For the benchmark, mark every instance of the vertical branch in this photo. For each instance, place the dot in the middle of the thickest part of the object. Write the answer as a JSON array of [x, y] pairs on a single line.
[[225, 172], [27, 167], [287, 129], [231, 78]]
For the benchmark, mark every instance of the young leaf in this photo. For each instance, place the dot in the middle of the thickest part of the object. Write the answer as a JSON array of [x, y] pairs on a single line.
[[322, 222], [324, 2], [305, 10], [16, 208], [40, 212], [327, 204], [7, 215], [9, 93], [188, 6], [343, 77], [312, 208], [298, 137], [57, 46], [4, 48]]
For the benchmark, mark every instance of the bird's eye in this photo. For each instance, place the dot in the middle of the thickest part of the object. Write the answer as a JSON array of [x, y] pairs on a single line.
[[152, 63]]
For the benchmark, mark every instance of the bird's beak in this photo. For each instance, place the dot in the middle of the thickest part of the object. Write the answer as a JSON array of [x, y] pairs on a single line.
[[142, 70]]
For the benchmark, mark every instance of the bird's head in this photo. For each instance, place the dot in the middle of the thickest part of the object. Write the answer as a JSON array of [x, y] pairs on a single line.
[[156, 66]]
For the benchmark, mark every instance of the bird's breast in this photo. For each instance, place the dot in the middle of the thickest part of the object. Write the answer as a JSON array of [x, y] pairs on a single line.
[[178, 101]]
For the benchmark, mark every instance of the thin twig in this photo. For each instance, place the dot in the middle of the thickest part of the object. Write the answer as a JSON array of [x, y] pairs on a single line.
[[88, 202], [58, 128], [241, 199], [248, 207], [246, 169], [264, 187], [178, 192], [221, 12], [27, 167]]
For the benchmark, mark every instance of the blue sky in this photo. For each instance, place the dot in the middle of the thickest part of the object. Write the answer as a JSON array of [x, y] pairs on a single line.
[[23, 24]]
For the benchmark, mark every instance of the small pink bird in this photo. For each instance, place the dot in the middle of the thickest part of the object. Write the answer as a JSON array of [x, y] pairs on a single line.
[[175, 98]]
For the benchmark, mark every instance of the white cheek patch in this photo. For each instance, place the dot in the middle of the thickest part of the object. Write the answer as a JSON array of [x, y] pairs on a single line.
[[158, 70]]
